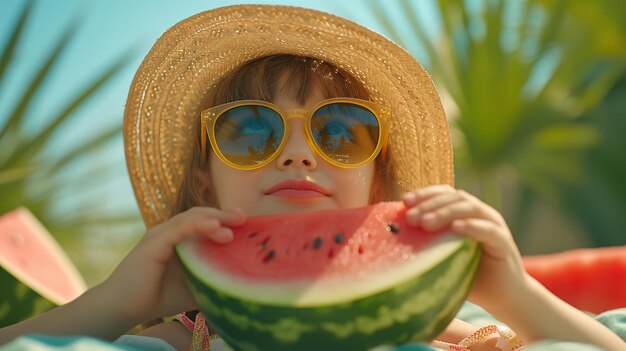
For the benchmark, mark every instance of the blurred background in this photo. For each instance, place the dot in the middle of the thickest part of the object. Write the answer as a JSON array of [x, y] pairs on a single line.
[[535, 92]]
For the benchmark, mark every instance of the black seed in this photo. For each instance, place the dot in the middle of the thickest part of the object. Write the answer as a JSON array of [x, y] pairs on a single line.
[[393, 228], [253, 235], [269, 256], [264, 243], [317, 243], [339, 238]]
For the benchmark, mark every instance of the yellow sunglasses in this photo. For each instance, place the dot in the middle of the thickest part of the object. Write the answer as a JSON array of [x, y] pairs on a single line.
[[249, 134]]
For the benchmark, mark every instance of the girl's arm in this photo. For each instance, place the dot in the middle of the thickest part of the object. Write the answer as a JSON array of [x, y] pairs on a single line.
[[89, 314], [146, 285], [535, 313], [502, 286]]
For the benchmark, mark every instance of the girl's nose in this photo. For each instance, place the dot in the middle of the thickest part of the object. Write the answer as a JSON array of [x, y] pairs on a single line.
[[297, 152]]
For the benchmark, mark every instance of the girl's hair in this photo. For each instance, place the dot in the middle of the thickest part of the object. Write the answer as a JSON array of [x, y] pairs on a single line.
[[259, 80]]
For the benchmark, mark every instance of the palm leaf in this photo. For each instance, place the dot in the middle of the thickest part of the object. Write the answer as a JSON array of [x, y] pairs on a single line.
[[28, 148], [15, 121], [14, 38], [521, 99], [86, 148], [28, 178], [11, 175]]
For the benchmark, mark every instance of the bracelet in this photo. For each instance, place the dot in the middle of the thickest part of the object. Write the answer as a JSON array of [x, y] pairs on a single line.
[[200, 336], [442, 345], [507, 341], [479, 335]]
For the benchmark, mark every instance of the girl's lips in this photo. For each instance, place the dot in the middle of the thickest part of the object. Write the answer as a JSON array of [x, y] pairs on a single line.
[[296, 193], [297, 189]]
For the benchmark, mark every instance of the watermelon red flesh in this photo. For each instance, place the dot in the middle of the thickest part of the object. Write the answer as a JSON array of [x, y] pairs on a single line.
[[592, 280], [343, 279], [329, 253], [337, 249], [35, 272]]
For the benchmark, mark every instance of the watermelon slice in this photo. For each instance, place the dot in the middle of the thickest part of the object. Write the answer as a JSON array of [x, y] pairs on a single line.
[[591, 279], [35, 273], [330, 280]]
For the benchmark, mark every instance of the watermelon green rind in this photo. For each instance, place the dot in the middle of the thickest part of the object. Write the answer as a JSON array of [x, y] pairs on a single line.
[[455, 301], [417, 309], [305, 294], [19, 302]]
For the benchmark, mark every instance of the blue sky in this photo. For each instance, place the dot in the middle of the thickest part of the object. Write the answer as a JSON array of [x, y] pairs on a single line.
[[107, 29]]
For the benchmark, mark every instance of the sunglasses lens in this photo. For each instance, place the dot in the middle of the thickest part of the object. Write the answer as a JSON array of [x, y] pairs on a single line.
[[249, 135], [347, 133]]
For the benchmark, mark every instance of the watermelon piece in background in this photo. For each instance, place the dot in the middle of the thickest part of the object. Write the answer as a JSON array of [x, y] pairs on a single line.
[[346, 279], [592, 280], [35, 272]]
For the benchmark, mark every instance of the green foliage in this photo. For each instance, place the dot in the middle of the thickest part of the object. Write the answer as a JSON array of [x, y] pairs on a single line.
[[30, 177], [522, 79], [599, 200]]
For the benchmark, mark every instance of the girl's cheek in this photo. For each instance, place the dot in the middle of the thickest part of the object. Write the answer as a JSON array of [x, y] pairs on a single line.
[[355, 185]]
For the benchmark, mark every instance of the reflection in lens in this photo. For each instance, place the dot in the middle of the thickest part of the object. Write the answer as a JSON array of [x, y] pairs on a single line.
[[248, 135], [345, 132]]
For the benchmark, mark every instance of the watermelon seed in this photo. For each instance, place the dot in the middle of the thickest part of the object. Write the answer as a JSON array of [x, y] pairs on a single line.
[[264, 243], [317, 243], [339, 238], [393, 228], [253, 235], [269, 256]]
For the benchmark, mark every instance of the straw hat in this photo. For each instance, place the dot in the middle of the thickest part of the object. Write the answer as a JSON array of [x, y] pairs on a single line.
[[165, 96]]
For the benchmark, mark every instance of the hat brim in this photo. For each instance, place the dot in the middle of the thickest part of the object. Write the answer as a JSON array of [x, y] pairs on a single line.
[[166, 95]]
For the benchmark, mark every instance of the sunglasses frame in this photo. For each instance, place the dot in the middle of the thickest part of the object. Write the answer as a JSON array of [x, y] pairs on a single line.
[[209, 117]]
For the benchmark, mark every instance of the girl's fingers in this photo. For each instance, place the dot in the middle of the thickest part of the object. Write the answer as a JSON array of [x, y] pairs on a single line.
[[413, 197], [211, 228], [431, 204], [203, 221], [443, 216], [230, 218], [222, 235], [486, 232]]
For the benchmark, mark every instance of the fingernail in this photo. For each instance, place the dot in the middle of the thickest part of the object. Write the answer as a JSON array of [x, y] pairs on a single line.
[[428, 219], [458, 224], [413, 213], [238, 213], [409, 198], [226, 234]]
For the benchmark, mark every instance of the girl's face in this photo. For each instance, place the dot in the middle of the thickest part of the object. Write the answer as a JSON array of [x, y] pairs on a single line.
[[262, 191]]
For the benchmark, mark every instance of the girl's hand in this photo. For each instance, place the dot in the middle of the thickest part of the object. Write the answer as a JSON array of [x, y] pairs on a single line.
[[149, 283], [501, 277]]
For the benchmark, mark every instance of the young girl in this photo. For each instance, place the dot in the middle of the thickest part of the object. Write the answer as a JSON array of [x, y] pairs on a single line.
[[272, 61]]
